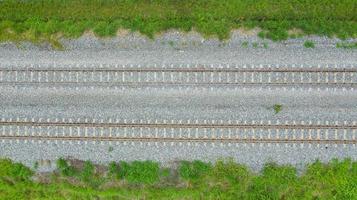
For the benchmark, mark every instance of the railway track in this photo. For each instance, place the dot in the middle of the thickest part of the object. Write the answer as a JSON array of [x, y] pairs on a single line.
[[338, 133], [191, 125], [192, 140], [178, 76]]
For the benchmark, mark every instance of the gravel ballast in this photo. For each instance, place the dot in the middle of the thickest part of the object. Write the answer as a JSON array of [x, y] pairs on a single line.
[[169, 103]]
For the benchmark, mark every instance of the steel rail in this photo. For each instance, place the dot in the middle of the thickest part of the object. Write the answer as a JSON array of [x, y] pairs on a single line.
[[177, 125], [266, 70], [163, 83]]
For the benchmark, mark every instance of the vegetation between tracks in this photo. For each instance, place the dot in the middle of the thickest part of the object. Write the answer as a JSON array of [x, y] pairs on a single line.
[[187, 180], [43, 20]]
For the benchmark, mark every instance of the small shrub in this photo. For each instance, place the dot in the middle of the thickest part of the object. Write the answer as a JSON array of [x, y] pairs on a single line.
[[309, 44]]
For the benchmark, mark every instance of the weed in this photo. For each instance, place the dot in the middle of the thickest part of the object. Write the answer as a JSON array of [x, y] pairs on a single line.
[[309, 44], [165, 172], [35, 165], [277, 108], [346, 45], [265, 45], [193, 171], [64, 168], [87, 171], [262, 34], [184, 44], [273, 183], [245, 44], [255, 45], [171, 43], [104, 29], [113, 170], [14, 170], [229, 171], [110, 149], [140, 171]]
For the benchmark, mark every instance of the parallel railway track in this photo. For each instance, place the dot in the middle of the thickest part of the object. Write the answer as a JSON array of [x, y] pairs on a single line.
[[179, 76]]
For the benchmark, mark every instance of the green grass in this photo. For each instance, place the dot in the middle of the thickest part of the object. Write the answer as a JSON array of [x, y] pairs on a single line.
[[43, 20], [224, 179], [309, 44], [16, 171], [87, 171], [137, 172], [193, 170], [347, 45]]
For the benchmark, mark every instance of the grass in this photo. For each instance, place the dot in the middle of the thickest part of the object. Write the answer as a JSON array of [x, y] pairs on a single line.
[[42, 20], [136, 172], [15, 171], [309, 44], [224, 179], [64, 168], [277, 108], [193, 170], [347, 45]]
